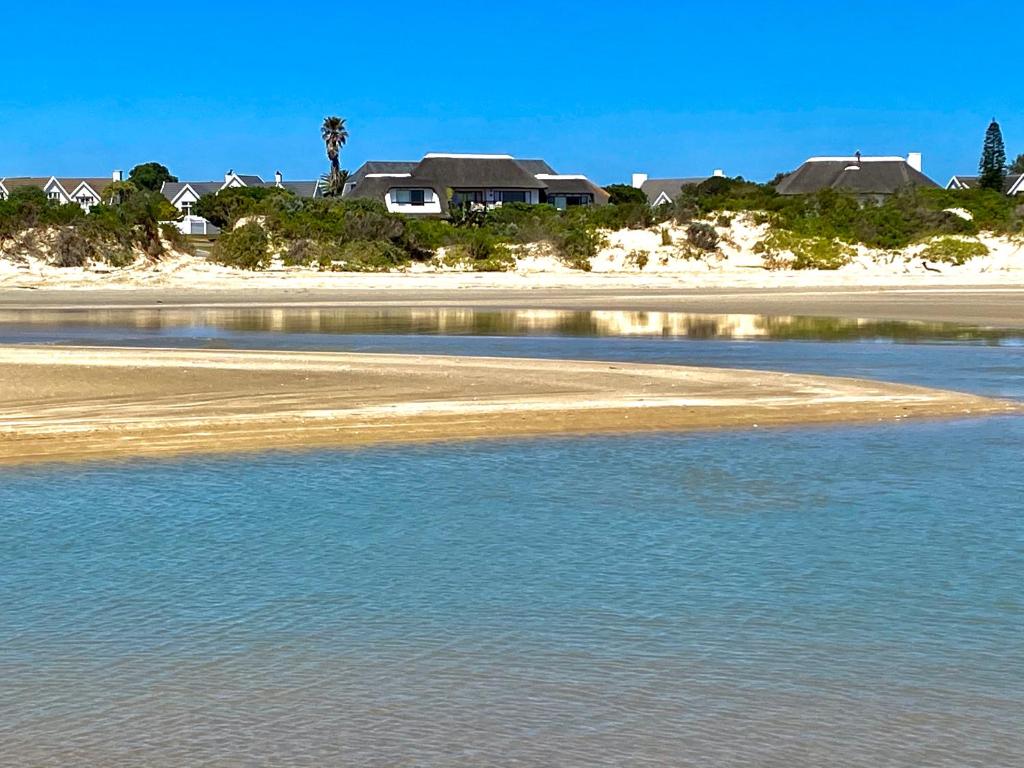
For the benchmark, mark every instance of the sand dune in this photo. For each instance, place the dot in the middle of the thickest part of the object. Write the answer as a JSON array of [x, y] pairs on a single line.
[[60, 403]]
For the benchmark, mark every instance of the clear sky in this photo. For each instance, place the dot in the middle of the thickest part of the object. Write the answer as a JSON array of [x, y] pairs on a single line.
[[603, 88]]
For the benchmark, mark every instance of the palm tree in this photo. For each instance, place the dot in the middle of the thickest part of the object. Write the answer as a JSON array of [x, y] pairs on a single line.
[[334, 135]]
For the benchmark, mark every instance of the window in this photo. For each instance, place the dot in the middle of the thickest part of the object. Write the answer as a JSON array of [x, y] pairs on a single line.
[[53, 195], [513, 196], [561, 202], [187, 206], [461, 197], [410, 196]]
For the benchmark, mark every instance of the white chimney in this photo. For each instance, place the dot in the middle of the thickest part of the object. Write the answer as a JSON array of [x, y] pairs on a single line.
[[914, 161], [278, 178], [117, 176], [639, 179], [718, 172]]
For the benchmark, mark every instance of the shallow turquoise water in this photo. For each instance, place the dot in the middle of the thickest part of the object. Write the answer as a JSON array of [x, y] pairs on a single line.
[[798, 597]]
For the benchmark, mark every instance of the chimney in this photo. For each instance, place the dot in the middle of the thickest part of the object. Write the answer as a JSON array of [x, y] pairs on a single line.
[[914, 161], [718, 172], [639, 179], [117, 176], [278, 178]]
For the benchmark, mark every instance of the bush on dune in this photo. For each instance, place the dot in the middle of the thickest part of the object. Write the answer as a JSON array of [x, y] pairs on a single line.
[[952, 250], [245, 247], [787, 250]]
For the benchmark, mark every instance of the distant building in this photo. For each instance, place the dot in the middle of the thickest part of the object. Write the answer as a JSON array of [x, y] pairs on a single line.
[[85, 192], [184, 195], [866, 177], [422, 188], [665, 191], [1014, 184]]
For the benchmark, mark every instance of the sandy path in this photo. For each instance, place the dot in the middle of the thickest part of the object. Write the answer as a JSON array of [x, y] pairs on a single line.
[[60, 403]]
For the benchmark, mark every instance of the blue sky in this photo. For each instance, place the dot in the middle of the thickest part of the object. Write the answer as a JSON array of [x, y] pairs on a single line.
[[604, 88]]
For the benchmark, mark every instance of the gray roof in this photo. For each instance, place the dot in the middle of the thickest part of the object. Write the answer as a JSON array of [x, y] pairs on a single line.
[[381, 166], [170, 189], [970, 182], [654, 188], [576, 187], [867, 176], [301, 188], [536, 166], [477, 172]]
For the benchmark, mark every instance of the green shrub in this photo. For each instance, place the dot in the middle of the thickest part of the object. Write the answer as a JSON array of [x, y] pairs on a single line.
[[227, 206], [422, 237], [370, 256], [951, 250], [807, 252], [71, 249], [176, 239], [625, 194], [500, 260], [497, 259], [702, 236], [578, 245], [638, 259], [117, 256], [246, 247]]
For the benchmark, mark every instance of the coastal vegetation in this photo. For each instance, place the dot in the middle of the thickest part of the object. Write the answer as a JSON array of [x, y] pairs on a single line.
[[127, 226], [953, 250], [263, 224]]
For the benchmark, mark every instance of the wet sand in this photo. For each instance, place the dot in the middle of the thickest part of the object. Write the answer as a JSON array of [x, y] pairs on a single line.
[[996, 307], [68, 403]]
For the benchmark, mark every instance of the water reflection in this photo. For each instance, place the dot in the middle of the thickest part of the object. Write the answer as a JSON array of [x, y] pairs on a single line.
[[482, 322]]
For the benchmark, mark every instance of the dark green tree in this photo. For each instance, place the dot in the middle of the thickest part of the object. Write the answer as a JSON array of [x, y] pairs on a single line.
[[335, 135], [1017, 166], [992, 168], [624, 193], [150, 176]]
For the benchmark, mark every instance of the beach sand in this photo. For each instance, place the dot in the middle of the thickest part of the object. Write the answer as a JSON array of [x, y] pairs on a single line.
[[66, 403]]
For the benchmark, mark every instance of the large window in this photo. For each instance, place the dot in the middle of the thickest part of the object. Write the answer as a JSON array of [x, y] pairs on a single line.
[[513, 196], [187, 207], [561, 202], [411, 196], [463, 196]]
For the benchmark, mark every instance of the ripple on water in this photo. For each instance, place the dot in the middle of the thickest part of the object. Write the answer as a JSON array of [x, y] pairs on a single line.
[[788, 598]]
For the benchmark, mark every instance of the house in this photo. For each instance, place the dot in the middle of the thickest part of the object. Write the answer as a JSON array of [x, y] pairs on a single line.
[[438, 181], [184, 195], [83, 191], [866, 177], [664, 191], [1013, 185]]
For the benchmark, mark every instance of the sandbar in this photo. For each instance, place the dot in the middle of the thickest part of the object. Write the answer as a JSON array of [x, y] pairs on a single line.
[[72, 403]]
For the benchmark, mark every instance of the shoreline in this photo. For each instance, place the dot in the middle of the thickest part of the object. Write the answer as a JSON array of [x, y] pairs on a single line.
[[992, 306], [78, 403]]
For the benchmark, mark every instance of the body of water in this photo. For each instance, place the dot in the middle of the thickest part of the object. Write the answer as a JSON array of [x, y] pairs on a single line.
[[828, 596]]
